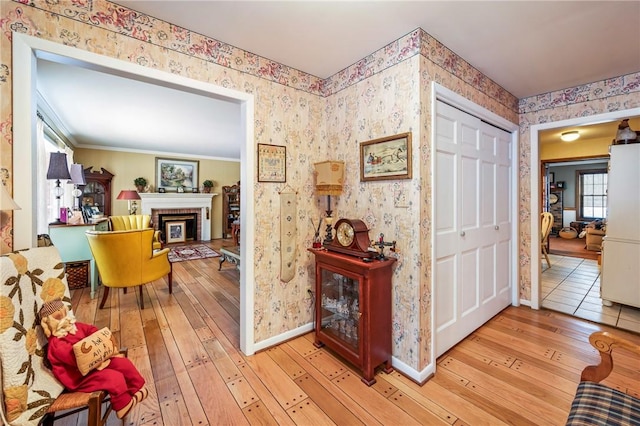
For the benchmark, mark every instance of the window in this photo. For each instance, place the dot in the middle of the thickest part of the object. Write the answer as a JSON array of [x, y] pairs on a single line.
[[46, 202], [592, 194]]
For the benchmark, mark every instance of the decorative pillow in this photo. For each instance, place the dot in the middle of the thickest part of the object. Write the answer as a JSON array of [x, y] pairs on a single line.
[[92, 351]]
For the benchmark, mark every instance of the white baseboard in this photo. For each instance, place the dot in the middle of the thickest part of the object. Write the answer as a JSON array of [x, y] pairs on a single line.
[[415, 375], [280, 338]]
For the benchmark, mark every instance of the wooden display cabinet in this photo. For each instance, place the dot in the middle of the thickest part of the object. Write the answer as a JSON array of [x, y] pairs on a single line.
[[97, 191], [556, 207], [353, 309], [230, 209]]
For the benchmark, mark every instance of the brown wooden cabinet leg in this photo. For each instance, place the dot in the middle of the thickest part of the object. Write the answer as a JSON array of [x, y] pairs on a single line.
[[368, 381]]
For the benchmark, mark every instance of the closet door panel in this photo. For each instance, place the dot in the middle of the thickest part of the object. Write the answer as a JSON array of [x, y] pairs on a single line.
[[472, 244]]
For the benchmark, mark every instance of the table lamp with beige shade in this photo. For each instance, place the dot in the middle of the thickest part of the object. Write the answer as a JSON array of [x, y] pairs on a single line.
[[329, 181]]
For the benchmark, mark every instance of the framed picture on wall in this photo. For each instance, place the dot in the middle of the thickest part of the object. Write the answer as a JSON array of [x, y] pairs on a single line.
[[560, 184], [173, 174], [386, 158], [272, 163]]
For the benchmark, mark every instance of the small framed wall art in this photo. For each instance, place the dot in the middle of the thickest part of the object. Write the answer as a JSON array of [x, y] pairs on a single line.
[[272, 163], [175, 232], [386, 158]]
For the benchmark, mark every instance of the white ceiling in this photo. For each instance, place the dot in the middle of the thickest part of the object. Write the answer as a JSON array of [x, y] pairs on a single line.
[[100, 110], [527, 47]]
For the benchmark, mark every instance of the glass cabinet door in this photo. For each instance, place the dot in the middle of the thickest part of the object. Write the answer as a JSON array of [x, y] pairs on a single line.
[[340, 313], [93, 195]]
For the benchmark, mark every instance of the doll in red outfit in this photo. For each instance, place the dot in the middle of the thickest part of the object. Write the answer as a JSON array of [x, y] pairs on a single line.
[[116, 375]]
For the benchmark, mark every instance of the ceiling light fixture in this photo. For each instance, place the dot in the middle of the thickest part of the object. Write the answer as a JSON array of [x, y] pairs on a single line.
[[570, 136]]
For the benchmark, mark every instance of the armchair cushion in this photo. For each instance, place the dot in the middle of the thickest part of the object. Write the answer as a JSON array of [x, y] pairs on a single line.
[[135, 221], [28, 278], [596, 404]]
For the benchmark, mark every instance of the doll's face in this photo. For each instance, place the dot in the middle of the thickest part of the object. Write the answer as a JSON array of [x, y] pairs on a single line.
[[59, 323], [59, 314]]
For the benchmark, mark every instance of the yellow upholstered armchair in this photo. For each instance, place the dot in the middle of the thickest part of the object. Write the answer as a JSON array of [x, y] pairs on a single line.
[[135, 221], [126, 259]]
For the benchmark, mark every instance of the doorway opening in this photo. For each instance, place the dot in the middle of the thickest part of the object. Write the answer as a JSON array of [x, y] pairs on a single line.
[[568, 273], [26, 50]]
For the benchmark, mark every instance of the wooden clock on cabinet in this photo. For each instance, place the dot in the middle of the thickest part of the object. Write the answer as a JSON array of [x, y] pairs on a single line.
[[352, 238]]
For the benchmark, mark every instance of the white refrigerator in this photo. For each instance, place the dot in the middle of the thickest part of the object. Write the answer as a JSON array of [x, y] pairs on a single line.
[[620, 281]]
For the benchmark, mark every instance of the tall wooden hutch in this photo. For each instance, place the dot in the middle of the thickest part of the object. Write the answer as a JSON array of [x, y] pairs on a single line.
[[97, 191], [230, 208]]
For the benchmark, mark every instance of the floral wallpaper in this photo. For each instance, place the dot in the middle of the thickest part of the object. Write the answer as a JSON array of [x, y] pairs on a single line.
[[385, 93], [614, 94]]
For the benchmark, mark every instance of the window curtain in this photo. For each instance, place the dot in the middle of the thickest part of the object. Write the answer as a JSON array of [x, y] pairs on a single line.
[[44, 192]]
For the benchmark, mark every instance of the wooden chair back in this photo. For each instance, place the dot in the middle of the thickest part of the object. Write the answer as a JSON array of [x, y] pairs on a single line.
[[545, 227]]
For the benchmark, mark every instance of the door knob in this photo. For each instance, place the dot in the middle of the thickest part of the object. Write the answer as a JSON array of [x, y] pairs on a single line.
[[462, 233], [497, 227]]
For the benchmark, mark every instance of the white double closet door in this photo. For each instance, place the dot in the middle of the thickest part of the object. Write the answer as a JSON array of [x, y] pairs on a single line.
[[472, 224]]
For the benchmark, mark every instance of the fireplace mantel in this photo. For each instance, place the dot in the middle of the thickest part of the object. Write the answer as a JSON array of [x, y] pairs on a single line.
[[188, 200]]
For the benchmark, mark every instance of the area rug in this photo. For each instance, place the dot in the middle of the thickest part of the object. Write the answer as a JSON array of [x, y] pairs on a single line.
[[571, 247], [180, 253]]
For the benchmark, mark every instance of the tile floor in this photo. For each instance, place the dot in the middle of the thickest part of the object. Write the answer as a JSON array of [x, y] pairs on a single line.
[[572, 286]]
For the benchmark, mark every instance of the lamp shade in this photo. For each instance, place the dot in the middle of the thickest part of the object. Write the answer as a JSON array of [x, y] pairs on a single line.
[[58, 168], [77, 174], [128, 194], [6, 202], [329, 177]]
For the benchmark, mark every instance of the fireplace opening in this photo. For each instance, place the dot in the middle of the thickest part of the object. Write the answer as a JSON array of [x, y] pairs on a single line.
[[190, 220]]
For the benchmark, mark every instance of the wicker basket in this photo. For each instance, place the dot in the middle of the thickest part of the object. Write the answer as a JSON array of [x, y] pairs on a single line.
[[568, 233], [77, 274]]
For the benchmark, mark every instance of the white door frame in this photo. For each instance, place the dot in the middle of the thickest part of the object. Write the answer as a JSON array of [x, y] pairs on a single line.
[[26, 50], [534, 207], [439, 92]]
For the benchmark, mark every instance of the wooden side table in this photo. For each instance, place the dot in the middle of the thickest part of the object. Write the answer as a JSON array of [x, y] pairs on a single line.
[[231, 255], [235, 233]]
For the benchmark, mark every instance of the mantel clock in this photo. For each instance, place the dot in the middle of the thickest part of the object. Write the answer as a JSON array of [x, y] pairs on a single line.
[[352, 238]]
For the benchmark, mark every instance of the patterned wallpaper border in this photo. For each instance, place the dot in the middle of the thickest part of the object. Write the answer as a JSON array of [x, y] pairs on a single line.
[[622, 85], [129, 23]]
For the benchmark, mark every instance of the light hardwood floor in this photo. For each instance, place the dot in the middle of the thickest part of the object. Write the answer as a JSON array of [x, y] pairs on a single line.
[[522, 367]]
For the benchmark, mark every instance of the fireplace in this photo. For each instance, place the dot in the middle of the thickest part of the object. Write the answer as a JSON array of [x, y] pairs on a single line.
[[190, 220], [183, 204]]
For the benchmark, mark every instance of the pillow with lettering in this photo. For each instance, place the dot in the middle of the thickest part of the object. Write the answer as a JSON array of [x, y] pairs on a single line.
[[94, 350]]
